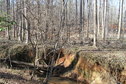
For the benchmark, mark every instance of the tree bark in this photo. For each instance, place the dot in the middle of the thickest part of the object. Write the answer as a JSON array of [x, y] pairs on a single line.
[[120, 19], [8, 13], [104, 20], [95, 25]]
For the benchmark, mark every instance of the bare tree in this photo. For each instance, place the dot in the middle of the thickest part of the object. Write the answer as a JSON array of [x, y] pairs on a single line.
[[120, 19], [88, 19], [98, 19], [104, 20], [8, 13], [81, 25], [76, 13], [95, 23], [63, 21]]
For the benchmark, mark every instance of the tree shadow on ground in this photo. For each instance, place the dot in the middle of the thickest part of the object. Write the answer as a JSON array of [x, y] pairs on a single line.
[[11, 76]]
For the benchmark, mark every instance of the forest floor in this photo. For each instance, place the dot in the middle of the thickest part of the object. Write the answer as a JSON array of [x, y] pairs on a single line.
[[13, 76], [18, 76], [110, 50]]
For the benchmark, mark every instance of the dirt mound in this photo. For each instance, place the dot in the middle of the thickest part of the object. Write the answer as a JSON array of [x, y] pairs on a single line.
[[19, 52], [100, 67]]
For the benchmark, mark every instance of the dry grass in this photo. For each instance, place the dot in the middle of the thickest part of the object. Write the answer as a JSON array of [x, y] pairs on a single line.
[[113, 59]]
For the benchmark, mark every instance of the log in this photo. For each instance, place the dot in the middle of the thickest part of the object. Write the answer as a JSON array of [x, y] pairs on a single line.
[[20, 64]]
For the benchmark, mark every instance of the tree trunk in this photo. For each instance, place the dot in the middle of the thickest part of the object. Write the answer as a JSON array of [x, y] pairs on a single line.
[[26, 23], [120, 19], [95, 21], [76, 14], [81, 12], [98, 20], [88, 20], [8, 13], [104, 21]]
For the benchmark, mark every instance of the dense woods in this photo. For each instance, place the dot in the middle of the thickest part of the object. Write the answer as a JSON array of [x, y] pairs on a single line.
[[62, 21], [50, 35]]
